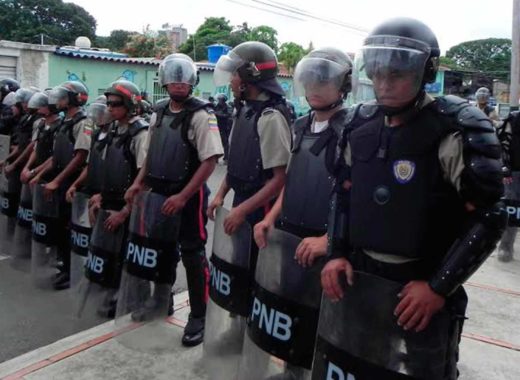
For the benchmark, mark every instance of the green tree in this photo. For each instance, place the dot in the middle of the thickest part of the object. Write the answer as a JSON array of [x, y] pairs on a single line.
[[240, 33], [60, 23], [491, 55], [116, 41], [265, 34], [213, 30], [290, 54], [148, 44]]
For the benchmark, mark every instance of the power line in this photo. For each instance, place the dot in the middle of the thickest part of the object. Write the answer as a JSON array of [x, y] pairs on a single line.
[[265, 10], [301, 12]]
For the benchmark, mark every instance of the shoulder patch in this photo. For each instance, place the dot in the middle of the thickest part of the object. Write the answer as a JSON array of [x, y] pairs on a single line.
[[212, 123]]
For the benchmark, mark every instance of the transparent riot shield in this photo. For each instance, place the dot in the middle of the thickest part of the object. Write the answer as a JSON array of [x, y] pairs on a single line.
[[150, 260], [44, 237], [80, 230], [21, 246], [229, 301], [281, 329], [358, 337], [97, 289]]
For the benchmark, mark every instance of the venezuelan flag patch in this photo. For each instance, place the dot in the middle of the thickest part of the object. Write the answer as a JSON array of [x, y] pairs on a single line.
[[213, 125]]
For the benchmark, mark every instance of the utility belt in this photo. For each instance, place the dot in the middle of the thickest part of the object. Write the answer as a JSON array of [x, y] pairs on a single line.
[[163, 186]]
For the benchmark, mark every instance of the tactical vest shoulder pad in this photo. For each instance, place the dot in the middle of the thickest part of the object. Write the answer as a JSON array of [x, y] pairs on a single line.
[[137, 127], [450, 105], [339, 121], [78, 117], [161, 104], [366, 111], [301, 123], [194, 104]]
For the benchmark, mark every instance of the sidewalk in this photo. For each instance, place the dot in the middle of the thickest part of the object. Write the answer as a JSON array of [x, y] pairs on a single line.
[[490, 347]]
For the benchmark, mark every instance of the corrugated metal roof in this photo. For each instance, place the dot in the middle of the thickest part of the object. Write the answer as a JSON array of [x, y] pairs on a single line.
[[103, 56]]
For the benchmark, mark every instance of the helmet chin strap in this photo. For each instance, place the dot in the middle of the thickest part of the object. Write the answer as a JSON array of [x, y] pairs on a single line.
[[329, 107], [181, 99], [412, 104]]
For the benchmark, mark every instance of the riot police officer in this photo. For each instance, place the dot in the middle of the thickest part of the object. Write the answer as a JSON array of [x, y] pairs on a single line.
[[482, 97], [260, 141], [324, 78], [183, 148], [71, 147], [259, 151], [123, 152], [224, 112], [509, 135], [423, 213], [7, 86]]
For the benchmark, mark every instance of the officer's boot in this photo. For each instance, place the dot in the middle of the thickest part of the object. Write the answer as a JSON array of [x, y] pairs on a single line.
[[197, 275]]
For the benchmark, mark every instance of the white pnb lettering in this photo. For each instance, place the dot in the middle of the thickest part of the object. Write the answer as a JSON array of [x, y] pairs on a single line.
[[39, 228], [95, 263], [146, 257], [336, 373], [220, 281], [514, 211], [5, 203], [274, 322], [79, 239], [24, 214]]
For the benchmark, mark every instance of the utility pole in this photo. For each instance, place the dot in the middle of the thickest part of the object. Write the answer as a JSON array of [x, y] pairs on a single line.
[[514, 92], [195, 49]]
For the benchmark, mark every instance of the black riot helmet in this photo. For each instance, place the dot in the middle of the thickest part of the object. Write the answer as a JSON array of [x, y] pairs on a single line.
[[76, 94], [128, 92], [255, 63], [400, 47], [8, 85], [321, 68]]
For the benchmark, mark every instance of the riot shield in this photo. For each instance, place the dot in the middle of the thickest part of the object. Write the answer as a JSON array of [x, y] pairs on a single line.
[[10, 199], [21, 246], [513, 212], [4, 229], [358, 337], [97, 289], [80, 230], [229, 301], [281, 329], [44, 237], [149, 263]]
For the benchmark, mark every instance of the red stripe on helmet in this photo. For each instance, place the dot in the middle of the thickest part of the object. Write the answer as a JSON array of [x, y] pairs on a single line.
[[266, 65]]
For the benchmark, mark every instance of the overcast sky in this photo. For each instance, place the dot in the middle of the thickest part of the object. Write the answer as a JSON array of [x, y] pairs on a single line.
[[453, 21]]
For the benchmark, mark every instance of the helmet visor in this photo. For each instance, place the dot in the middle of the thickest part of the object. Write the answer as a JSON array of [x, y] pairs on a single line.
[[317, 74], [56, 94], [99, 114], [177, 70], [226, 66], [395, 73], [38, 100]]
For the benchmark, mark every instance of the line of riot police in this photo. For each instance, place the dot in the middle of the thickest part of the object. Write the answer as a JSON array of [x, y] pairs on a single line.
[[386, 208]]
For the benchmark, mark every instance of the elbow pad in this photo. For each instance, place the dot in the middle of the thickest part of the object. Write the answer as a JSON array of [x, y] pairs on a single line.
[[469, 252], [338, 229]]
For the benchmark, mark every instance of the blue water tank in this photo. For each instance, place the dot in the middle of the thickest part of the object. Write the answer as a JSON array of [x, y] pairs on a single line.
[[216, 50]]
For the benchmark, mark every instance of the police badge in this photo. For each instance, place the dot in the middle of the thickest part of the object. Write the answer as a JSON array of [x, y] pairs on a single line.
[[404, 171]]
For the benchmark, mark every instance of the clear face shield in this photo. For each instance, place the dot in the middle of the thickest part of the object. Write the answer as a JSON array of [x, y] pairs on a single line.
[[226, 66], [318, 77], [39, 102], [58, 95], [389, 71], [482, 96], [177, 70], [99, 114]]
